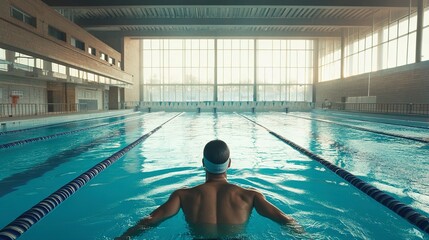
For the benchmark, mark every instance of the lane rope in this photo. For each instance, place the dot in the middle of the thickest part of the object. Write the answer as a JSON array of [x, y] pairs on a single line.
[[26, 220], [37, 139], [350, 117], [423, 140], [62, 124], [402, 209]]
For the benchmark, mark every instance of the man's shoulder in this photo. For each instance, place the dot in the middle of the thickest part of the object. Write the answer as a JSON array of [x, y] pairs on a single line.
[[185, 190], [245, 190]]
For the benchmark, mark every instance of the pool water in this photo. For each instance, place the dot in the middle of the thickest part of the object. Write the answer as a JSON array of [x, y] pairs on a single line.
[[326, 205]]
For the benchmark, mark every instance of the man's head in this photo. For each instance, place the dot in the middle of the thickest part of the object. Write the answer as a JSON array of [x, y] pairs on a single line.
[[216, 157]]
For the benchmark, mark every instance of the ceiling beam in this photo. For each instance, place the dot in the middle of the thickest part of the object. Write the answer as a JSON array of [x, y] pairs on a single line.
[[216, 34], [238, 3], [303, 22]]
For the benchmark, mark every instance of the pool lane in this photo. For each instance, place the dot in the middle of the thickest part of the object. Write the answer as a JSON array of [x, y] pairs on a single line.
[[397, 166], [25, 221], [14, 181], [35, 134], [403, 210], [326, 205], [423, 140], [55, 162], [418, 129], [422, 123]]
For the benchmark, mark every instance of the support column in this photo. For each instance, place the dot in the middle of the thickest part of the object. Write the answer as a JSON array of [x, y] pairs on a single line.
[[315, 68], [254, 72], [10, 57], [343, 46], [215, 98], [141, 79], [419, 32], [113, 98]]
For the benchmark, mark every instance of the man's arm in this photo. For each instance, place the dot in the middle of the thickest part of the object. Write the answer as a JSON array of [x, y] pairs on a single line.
[[166, 210], [268, 210]]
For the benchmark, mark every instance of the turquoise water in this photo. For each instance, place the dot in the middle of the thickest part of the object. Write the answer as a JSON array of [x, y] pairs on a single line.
[[327, 206]]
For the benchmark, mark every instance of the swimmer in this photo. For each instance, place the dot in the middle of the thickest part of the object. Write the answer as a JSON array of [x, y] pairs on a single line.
[[216, 208]]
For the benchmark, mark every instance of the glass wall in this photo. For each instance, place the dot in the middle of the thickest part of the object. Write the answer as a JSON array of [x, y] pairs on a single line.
[[389, 43], [425, 45], [30, 63], [330, 60], [284, 70], [178, 69], [22, 60], [184, 70], [3, 63], [235, 69]]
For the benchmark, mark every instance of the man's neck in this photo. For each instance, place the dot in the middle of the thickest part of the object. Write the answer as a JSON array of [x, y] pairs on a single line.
[[216, 177]]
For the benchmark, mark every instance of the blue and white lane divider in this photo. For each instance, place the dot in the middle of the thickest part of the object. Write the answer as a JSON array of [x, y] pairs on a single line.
[[423, 140], [21, 224], [37, 139], [403, 210], [59, 124]]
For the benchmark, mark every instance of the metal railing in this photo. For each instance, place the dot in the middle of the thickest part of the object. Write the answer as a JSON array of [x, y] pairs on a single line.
[[418, 109], [31, 109], [227, 106], [130, 105]]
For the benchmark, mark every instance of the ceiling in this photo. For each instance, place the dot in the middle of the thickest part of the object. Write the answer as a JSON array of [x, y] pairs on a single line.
[[225, 18]]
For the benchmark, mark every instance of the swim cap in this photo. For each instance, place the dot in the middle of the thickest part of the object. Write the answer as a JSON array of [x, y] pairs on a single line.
[[216, 168]]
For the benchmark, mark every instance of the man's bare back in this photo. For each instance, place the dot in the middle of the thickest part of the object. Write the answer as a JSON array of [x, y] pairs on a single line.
[[216, 202], [216, 208]]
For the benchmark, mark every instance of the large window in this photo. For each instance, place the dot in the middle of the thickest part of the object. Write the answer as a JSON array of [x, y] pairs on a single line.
[[389, 43], [3, 63], [330, 60], [185, 70], [425, 46], [235, 69], [178, 69], [22, 60], [284, 70]]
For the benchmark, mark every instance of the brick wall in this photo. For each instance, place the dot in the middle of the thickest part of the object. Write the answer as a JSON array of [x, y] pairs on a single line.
[[405, 84], [19, 36]]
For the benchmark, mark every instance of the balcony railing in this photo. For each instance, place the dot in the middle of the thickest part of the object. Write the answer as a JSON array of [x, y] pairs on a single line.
[[31, 109], [246, 106], [417, 109]]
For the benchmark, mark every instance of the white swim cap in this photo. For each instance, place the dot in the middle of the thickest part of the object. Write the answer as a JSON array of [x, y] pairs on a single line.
[[216, 168]]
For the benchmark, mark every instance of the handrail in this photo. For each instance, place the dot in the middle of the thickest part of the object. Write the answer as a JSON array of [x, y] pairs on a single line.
[[29, 109], [414, 109], [402, 209], [26, 220]]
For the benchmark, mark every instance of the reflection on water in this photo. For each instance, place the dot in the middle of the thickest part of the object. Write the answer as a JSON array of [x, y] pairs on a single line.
[[395, 165], [325, 205]]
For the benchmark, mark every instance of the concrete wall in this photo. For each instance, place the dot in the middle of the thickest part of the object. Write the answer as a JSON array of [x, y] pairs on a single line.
[[132, 65], [405, 84]]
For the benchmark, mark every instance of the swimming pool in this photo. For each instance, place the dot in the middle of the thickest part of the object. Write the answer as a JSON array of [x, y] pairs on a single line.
[[326, 205]]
